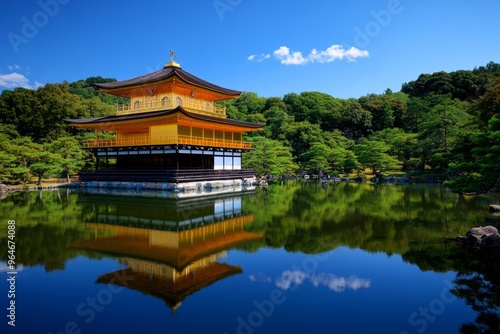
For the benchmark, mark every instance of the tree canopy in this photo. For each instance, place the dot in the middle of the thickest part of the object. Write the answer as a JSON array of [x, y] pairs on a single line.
[[441, 123]]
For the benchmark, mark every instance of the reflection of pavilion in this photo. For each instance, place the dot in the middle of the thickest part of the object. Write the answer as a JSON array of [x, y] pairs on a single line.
[[170, 247]]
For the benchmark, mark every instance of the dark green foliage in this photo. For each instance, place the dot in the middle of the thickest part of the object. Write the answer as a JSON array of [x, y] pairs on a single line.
[[375, 154], [463, 85], [439, 123], [39, 114], [477, 161], [270, 157], [34, 138], [87, 89]]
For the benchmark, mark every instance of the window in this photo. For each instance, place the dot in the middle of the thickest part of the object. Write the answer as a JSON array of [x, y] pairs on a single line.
[[218, 163], [237, 163], [228, 162], [179, 101], [197, 132], [137, 104], [165, 101], [209, 108], [184, 130]]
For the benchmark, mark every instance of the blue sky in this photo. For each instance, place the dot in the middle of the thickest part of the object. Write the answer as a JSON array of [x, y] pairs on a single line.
[[271, 47]]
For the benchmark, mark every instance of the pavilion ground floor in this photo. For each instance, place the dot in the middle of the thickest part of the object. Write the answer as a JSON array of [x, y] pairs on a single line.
[[168, 166]]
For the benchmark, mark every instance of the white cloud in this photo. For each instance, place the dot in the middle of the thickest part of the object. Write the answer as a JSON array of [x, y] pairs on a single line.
[[13, 80], [334, 52], [354, 53], [334, 283], [17, 78], [290, 58], [259, 58]]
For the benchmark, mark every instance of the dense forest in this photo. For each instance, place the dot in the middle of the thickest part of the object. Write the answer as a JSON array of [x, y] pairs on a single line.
[[443, 124]]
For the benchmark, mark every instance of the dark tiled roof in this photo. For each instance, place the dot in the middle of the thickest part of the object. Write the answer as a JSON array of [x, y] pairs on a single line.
[[166, 73], [162, 113]]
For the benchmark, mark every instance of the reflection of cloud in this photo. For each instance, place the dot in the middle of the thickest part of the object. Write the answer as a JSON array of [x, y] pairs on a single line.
[[260, 278], [334, 283]]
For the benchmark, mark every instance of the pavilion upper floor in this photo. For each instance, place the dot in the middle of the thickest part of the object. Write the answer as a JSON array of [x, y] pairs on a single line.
[[167, 127]]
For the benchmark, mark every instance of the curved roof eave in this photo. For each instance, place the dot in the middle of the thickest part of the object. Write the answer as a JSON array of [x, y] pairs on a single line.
[[164, 74], [207, 118]]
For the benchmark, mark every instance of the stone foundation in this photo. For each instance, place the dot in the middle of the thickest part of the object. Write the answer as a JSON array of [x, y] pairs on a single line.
[[179, 189]]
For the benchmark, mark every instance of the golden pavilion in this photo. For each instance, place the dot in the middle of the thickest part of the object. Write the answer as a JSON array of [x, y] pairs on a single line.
[[171, 132]]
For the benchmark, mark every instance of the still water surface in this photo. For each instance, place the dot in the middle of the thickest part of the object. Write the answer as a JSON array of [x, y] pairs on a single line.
[[298, 258]]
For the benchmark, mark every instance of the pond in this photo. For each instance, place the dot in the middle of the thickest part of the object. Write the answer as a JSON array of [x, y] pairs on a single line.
[[297, 258]]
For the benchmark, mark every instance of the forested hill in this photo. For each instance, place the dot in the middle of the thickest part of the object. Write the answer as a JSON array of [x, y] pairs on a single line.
[[445, 123]]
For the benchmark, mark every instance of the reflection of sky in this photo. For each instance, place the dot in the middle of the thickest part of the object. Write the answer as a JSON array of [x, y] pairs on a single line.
[[291, 278]]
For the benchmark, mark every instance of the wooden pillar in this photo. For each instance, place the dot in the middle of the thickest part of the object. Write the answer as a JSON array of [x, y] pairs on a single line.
[[177, 158], [96, 160]]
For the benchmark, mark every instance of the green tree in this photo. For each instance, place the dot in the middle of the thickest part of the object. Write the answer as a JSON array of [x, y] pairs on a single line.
[[327, 159], [277, 120], [416, 110], [317, 159], [21, 149], [477, 161], [488, 105], [39, 114], [332, 155], [386, 110], [402, 145], [44, 162], [356, 121], [72, 157], [442, 127], [250, 103], [269, 157], [374, 154], [7, 163], [300, 136]]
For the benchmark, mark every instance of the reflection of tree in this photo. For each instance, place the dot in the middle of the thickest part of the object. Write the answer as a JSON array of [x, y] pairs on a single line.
[[478, 283], [45, 245], [397, 219], [47, 224], [413, 221]]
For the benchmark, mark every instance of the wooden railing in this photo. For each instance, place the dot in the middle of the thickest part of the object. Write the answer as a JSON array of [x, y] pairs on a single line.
[[125, 109], [166, 140]]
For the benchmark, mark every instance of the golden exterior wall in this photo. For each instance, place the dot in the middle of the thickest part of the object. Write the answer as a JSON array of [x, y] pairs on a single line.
[[197, 132], [173, 129], [164, 130], [142, 103], [132, 135]]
